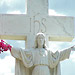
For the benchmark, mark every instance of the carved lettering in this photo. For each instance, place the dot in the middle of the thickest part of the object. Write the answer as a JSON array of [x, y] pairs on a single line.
[[43, 20], [30, 24], [36, 22], [38, 25]]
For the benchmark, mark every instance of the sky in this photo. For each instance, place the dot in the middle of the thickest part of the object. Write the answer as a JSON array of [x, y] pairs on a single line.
[[63, 6], [56, 8]]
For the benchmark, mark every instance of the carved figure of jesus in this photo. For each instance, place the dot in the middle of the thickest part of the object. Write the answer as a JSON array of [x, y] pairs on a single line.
[[39, 60]]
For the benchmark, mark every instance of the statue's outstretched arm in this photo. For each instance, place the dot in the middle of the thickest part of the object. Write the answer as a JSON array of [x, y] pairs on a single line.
[[16, 52], [64, 54]]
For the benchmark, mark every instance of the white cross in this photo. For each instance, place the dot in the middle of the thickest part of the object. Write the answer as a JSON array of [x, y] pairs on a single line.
[[25, 26]]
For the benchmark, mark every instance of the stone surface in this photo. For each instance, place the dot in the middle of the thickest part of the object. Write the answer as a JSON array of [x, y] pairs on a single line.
[[37, 6], [22, 27], [25, 27], [39, 60], [22, 24]]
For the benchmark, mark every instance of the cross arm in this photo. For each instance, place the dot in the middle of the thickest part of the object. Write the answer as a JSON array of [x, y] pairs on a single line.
[[14, 27], [59, 28], [19, 26]]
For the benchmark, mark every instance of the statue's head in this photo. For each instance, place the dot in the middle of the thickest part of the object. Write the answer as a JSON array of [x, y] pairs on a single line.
[[40, 40]]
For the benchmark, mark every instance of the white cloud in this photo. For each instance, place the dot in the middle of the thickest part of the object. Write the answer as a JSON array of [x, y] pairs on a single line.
[[51, 12], [20, 41], [7, 65], [54, 46], [12, 6], [14, 12], [8, 2], [54, 13]]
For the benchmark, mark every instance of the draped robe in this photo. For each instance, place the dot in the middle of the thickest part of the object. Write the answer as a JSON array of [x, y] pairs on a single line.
[[24, 60]]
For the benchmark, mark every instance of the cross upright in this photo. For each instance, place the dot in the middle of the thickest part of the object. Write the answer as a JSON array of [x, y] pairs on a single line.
[[36, 19]]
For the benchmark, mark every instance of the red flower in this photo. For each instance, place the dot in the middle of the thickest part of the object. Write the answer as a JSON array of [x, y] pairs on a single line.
[[9, 47], [0, 44], [4, 46], [5, 49], [0, 50], [2, 41]]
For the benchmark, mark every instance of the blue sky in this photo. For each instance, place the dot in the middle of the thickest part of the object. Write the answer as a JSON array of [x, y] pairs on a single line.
[[65, 7], [56, 7]]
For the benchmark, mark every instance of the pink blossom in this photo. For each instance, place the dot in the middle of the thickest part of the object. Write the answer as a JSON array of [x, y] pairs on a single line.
[[9, 47], [0, 50], [4, 46], [0, 44], [2, 40]]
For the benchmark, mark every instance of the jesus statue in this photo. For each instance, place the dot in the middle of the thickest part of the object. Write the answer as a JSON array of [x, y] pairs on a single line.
[[39, 60]]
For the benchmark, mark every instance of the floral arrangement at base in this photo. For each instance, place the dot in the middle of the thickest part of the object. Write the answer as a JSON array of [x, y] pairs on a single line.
[[4, 46]]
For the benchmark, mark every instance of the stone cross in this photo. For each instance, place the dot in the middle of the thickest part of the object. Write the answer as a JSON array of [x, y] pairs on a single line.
[[36, 19]]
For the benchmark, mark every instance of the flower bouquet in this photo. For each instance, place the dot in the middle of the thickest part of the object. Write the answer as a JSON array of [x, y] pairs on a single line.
[[4, 46]]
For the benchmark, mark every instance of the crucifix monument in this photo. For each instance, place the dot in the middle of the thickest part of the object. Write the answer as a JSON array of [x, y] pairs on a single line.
[[36, 19], [37, 60]]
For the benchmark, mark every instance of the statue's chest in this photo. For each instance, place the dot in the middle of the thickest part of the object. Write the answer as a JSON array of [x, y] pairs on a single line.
[[40, 56]]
